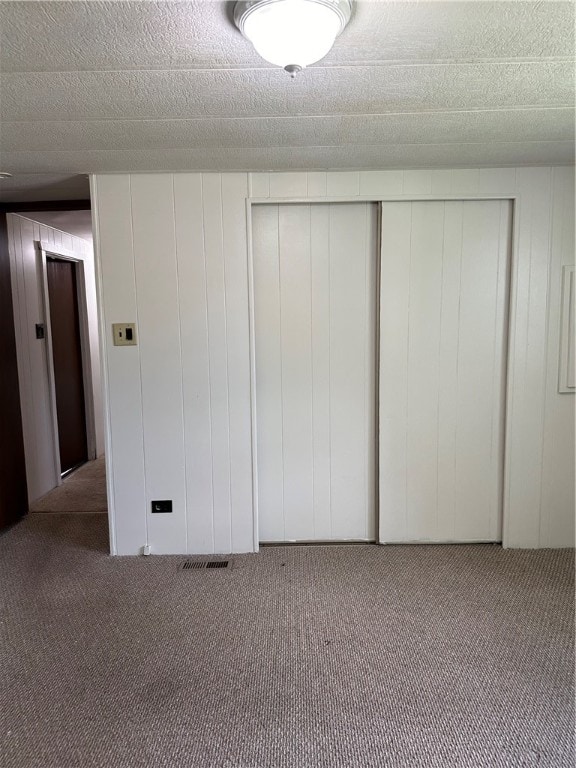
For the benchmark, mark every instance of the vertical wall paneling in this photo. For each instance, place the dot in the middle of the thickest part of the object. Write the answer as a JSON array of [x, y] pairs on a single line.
[[118, 303], [234, 193], [259, 184], [417, 182], [526, 414], [497, 180], [343, 184], [23, 355], [558, 460], [465, 180], [217, 329], [159, 340], [444, 264], [196, 381], [442, 182], [315, 277], [381, 183], [212, 264], [67, 240], [317, 184], [41, 401], [288, 184]]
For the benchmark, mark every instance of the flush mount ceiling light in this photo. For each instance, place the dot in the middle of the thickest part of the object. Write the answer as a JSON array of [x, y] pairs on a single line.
[[292, 33], [5, 175]]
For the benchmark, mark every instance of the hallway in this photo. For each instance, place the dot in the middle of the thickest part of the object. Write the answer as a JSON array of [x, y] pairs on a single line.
[[82, 491]]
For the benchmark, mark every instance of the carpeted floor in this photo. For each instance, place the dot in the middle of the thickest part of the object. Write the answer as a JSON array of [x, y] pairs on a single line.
[[352, 656], [82, 491]]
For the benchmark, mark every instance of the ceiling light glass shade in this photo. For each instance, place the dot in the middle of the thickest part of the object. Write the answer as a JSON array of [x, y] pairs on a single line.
[[292, 33]]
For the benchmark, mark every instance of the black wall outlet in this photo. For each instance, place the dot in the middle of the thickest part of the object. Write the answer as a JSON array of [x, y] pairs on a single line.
[[162, 506]]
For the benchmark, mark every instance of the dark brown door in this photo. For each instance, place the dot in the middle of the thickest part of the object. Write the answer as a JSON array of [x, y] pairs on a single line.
[[67, 356]]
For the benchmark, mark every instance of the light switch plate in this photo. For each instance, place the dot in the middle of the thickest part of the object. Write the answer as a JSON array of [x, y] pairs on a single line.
[[124, 334]]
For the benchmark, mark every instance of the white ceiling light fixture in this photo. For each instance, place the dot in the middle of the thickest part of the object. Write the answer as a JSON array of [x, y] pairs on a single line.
[[292, 33]]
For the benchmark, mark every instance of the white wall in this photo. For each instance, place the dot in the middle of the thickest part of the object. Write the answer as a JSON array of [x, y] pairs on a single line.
[[77, 223], [173, 257], [23, 235]]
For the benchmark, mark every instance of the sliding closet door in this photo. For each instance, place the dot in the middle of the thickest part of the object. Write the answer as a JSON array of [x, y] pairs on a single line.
[[444, 295], [315, 326]]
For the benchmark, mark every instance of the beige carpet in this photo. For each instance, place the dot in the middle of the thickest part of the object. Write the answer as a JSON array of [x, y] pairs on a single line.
[[356, 656], [82, 491]]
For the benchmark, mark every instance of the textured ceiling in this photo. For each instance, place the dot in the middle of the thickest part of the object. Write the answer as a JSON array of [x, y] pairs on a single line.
[[136, 86]]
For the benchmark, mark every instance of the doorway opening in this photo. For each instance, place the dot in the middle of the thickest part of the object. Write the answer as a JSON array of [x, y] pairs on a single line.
[[68, 362], [58, 351]]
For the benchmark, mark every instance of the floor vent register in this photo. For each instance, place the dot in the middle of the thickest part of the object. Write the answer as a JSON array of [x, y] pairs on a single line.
[[196, 565]]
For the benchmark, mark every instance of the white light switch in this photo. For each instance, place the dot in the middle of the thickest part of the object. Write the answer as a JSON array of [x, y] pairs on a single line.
[[124, 334]]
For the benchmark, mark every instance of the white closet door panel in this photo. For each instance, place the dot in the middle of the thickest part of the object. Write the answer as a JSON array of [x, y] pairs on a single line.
[[423, 366], [350, 309], [268, 372], [479, 406], [295, 302], [448, 371], [445, 476], [315, 276], [393, 400], [320, 278]]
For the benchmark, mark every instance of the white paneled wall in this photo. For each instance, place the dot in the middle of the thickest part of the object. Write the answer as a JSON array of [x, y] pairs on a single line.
[[173, 256], [173, 259], [555, 507], [315, 277], [25, 269]]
